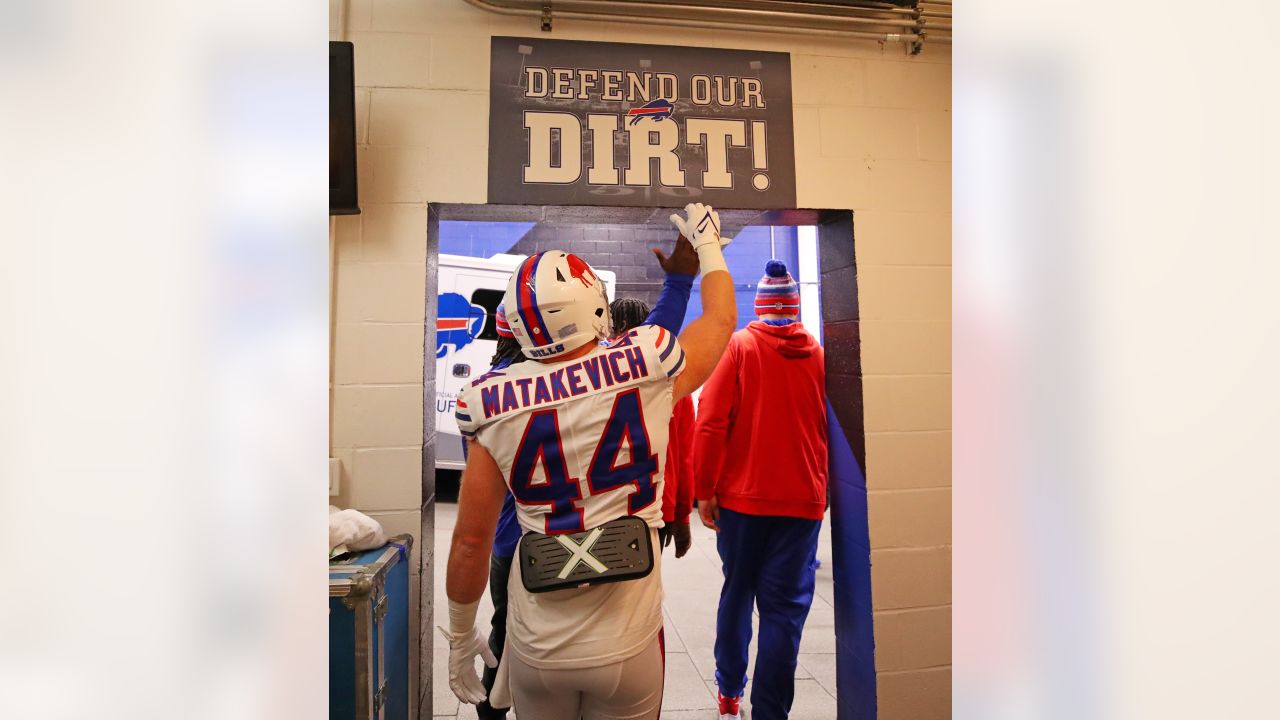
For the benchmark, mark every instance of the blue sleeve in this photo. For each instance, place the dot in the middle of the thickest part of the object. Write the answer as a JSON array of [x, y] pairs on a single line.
[[507, 534], [673, 301]]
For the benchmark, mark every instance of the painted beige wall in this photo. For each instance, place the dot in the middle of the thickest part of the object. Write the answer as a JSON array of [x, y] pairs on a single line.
[[873, 133]]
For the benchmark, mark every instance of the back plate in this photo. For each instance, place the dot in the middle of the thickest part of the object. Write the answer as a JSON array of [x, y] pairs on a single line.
[[619, 550]]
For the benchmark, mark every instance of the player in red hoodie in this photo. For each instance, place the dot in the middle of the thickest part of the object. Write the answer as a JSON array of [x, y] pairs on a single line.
[[760, 459]]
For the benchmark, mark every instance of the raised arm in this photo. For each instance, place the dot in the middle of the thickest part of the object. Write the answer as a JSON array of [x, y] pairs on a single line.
[[705, 339], [681, 269]]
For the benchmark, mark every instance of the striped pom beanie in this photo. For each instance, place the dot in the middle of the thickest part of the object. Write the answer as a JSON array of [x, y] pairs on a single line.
[[777, 293], [504, 330]]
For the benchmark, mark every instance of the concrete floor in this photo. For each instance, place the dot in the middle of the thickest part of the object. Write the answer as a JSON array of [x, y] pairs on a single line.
[[692, 586]]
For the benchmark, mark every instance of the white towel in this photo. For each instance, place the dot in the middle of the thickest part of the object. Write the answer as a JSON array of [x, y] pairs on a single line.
[[353, 531]]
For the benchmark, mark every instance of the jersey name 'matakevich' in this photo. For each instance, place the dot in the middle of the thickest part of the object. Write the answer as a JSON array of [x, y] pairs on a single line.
[[614, 367], [584, 441]]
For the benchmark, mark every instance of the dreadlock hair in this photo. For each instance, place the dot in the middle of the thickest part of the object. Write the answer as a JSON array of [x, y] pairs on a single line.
[[508, 349], [627, 313]]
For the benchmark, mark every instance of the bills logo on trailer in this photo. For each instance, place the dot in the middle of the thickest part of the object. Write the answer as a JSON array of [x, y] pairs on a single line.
[[458, 322]]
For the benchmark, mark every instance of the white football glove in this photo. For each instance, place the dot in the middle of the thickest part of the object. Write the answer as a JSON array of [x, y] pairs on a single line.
[[465, 643], [700, 225]]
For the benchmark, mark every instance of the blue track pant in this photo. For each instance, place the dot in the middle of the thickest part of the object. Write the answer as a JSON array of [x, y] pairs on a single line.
[[768, 562]]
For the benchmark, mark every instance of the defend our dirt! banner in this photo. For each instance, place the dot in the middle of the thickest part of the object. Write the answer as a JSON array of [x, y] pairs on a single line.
[[589, 123]]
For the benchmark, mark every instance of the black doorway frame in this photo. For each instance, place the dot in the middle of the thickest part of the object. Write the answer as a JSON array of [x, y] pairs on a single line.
[[855, 661]]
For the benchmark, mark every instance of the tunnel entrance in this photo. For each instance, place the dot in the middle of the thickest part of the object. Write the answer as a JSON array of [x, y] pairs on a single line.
[[471, 251]]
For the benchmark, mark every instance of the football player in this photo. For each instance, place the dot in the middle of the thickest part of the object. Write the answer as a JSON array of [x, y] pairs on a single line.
[[681, 268], [580, 438]]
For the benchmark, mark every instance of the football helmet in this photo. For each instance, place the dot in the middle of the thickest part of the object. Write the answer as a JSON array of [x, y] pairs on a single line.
[[555, 303]]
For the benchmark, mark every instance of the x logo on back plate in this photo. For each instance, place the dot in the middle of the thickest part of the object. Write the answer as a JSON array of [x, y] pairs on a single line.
[[581, 553]]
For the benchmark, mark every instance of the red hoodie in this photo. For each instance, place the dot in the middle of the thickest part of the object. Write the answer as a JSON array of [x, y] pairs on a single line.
[[677, 478], [761, 440]]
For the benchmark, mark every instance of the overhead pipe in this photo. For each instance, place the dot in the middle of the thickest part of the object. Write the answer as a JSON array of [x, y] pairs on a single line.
[[794, 6], [885, 10], [623, 11], [832, 5], [720, 13], [723, 11]]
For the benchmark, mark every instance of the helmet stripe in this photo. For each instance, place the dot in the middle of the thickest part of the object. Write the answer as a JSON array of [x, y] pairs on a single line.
[[537, 313], [524, 294], [527, 302]]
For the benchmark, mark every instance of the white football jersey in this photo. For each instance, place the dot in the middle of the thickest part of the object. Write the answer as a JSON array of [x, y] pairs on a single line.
[[584, 441]]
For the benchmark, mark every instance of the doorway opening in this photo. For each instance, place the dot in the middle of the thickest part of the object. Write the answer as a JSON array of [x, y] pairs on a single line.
[[471, 252]]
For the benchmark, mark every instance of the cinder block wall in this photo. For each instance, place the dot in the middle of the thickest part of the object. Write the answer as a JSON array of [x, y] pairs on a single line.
[[614, 248], [873, 134]]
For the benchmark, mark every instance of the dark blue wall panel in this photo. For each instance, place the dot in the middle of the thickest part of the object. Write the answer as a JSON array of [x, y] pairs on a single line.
[[851, 547], [851, 555]]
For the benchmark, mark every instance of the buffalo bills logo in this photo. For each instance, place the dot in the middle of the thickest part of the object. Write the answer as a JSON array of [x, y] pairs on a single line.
[[580, 270], [458, 322], [657, 109]]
